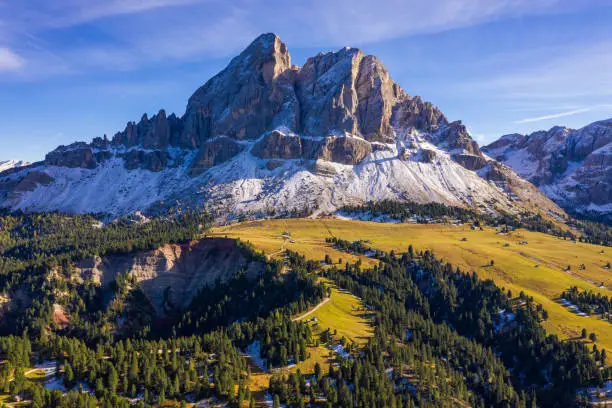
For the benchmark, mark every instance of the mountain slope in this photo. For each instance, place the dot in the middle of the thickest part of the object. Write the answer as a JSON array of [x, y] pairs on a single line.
[[573, 167], [11, 164], [265, 136]]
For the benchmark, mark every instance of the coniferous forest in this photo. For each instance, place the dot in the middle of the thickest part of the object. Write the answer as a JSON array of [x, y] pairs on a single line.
[[442, 336]]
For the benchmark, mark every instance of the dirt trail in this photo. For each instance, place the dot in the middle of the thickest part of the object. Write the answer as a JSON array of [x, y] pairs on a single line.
[[278, 252], [300, 317]]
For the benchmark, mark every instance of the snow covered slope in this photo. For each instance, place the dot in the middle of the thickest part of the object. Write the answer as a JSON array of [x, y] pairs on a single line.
[[266, 137], [10, 164], [573, 167]]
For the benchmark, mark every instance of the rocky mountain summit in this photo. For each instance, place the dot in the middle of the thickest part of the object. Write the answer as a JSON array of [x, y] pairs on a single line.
[[573, 167], [266, 136]]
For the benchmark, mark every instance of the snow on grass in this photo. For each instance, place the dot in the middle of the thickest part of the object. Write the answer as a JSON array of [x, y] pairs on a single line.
[[253, 352]]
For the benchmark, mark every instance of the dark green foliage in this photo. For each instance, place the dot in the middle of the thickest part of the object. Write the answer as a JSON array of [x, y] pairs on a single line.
[[592, 232], [49, 239], [590, 302], [442, 338]]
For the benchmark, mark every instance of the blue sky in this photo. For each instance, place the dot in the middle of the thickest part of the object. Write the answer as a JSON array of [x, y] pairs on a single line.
[[76, 69]]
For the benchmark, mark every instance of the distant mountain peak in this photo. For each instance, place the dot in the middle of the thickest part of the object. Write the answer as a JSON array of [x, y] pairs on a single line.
[[572, 166]]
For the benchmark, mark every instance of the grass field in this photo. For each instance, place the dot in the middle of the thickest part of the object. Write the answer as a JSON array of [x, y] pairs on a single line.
[[343, 313], [536, 267]]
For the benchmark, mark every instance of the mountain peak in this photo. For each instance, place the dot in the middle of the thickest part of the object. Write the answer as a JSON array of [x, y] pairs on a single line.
[[268, 54], [263, 134]]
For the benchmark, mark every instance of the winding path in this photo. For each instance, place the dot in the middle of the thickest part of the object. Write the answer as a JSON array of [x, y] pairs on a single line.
[[278, 252], [300, 317]]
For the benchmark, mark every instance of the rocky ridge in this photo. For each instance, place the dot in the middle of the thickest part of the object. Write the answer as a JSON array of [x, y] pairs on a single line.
[[266, 136], [573, 167]]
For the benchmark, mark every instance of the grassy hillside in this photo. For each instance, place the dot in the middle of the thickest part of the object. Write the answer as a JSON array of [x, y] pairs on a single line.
[[341, 312], [523, 261]]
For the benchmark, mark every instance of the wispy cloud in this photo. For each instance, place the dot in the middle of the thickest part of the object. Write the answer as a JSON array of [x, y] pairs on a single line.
[[554, 116], [9, 61], [148, 31], [66, 13]]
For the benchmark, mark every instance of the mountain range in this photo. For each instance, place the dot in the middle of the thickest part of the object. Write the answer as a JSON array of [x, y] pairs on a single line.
[[264, 136], [572, 167]]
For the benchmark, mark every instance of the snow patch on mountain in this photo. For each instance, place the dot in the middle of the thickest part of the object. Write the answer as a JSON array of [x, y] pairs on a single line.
[[572, 167], [11, 164], [245, 184]]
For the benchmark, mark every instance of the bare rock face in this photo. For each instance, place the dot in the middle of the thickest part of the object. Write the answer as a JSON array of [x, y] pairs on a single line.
[[214, 152], [175, 271], [325, 88], [573, 167], [252, 95], [427, 156], [76, 155], [455, 137], [277, 145], [413, 112], [32, 180], [154, 133], [156, 160], [347, 92], [337, 93], [344, 150], [274, 164], [470, 161], [324, 168]]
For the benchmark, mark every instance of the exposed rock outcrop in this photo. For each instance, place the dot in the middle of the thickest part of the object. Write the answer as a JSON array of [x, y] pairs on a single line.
[[252, 95], [155, 133], [155, 160], [76, 155], [277, 145], [470, 161], [31, 181], [173, 274], [344, 150], [214, 152]]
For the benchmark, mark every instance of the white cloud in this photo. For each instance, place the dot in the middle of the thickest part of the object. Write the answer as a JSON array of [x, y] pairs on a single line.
[[129, 34], [554, 116], [9, 61], [66, 13]]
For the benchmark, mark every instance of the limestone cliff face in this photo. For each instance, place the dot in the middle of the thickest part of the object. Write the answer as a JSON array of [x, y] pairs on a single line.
[[344, 150], [215, 152], [77, 155], [173, 274], [277, 145], [253, 94], [333, 94]]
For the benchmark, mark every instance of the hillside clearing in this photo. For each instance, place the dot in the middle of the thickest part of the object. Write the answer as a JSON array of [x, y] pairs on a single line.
[[531, 262]]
